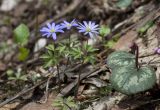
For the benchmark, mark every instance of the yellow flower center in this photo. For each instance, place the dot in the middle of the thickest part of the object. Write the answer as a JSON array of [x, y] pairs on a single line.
[[52, 30], [88, 29], [69, 25]]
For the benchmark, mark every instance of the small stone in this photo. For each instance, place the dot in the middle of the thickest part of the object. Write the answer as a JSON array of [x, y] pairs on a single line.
[[40, 44]]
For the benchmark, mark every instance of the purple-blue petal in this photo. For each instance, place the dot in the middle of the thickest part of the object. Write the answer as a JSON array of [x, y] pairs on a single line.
[[95, 32], [44, 29], [57, 27], [66, 22], [68, 27], [86, 33], [49, 34], [54, 36], [91, 35], [81, 25], [82, 30], [85, 23], [89, 24], [95, 26], [74, 24], [60, 30], [53, 25], [45, 34], [95, 29], [49, 25]]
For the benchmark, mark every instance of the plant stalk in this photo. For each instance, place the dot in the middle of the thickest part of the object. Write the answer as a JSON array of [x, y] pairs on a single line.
[[69, 41], [58, 73], [137, 54], [79, 74], [59, 79]]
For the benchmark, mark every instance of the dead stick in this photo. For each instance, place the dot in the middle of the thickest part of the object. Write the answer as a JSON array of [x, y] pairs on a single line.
[[74, 83], [21, 93]]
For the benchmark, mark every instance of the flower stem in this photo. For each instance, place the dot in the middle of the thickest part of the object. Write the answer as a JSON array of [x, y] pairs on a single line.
[[135, 51], [79, 74], [69, 42], [137, 54], [59, 79]]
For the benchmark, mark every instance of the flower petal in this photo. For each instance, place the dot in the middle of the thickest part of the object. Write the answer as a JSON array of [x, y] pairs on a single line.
[[93, 24], [91, 35], [82, 30], [49, 34], [85, 33], [90, 24], [54, 36], [45, 34], [53, 25], [85, 23], [49, 25], [66, 22], [95, 32], [81, 25], [60, 30], [44, 29]]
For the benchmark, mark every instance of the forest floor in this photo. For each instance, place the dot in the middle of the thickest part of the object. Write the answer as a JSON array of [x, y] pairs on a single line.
[[94, 92]]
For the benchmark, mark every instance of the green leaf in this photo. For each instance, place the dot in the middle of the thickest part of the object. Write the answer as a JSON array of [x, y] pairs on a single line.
[[48, 63], [45, 56], [50, 47], [113, 41], [21, 34], [23, 78], [110, 44], [51, 57], [63, 104], [131, 81], [4, 47], [58, 103], [70, 102], [90, 58], [18, 74], [12, 78], [89, 48], [76, 53], [23, 53], [10, 73], [120, 59], [124, 3], [144, 28], [104, 30], [62, 49]]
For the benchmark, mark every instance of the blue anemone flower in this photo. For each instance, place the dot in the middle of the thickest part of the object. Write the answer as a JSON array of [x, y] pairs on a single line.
[[68, 25], [89, 28], [51, 29]]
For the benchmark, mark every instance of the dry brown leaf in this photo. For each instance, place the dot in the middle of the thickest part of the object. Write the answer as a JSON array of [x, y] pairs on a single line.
[[2, 66], [45, 106], [126, 41]]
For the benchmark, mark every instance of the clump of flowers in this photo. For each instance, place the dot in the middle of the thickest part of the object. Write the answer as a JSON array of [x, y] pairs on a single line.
[[76, 51]]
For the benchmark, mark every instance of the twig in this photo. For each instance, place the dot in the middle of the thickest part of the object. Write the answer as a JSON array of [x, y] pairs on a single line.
[[64, 12], [21, 93], [142, 104], [82, 76], [31, 88], [46, 92]]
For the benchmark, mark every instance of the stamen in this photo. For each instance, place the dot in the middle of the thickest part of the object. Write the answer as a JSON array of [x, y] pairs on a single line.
[[52, 30]]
